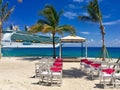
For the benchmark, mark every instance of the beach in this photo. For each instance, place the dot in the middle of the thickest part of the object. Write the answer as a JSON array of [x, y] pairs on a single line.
[[17, 73]]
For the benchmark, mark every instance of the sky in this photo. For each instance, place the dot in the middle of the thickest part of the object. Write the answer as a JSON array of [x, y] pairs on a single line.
[[26, 13]]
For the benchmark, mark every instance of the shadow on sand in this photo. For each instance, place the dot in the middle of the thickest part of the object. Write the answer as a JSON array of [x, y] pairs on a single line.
[[100, 86], [73, 73]]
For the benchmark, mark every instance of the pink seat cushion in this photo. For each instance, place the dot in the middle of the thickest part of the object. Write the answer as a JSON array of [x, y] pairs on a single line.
[[108, 70], [88, 62], [83, 60], [95, 65], [58, 60], [57, 64], [55, 69]]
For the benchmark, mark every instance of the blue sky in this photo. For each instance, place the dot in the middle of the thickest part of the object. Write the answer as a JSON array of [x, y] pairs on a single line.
[[26, 13]]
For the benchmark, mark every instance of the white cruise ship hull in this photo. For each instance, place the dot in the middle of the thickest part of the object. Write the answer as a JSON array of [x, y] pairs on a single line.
[[21, 45]]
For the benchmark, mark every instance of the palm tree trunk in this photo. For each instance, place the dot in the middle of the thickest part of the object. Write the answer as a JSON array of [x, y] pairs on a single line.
[[0, 39], [54, 51], [103, 41]]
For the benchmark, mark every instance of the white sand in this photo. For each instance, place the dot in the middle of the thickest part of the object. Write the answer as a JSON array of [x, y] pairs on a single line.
[[17, 74]]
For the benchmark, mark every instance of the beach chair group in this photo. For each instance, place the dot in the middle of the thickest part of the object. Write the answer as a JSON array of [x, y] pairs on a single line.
[[108, 72], [49, 71]]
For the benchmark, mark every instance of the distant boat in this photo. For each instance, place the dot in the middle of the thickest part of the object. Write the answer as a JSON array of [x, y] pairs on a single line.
[[21, 39]]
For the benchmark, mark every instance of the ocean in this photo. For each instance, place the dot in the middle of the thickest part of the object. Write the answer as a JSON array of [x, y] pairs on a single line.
[[114, 52]]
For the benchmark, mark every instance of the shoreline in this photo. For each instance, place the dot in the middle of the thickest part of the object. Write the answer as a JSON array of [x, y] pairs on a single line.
[[68, 59]]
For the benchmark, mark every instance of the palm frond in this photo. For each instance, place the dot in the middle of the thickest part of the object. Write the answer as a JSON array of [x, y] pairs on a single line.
[[36, 28], [66, 29], [4, 9], [93, 11], [58, 16], [52, 11], [85, 18], [46, 28], [1, 1], [50, 14], [41, 21]]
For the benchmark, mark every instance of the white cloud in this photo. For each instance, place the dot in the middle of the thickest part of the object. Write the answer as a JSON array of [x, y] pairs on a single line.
[[112, 22], [106, 16], [96, 33], [72, 6], [79, 1], [116, 41], [70, 15], [113, 43], [92, 40], [93, 43], [85, 13], [109, 43], [87, 33]]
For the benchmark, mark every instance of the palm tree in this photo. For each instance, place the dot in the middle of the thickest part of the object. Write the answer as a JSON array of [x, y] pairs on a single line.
[[4, 14], [94, 15], [50, 24]]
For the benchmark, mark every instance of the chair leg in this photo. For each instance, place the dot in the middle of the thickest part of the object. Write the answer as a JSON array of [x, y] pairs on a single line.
[[51, 79], [100, 79], [39, 80], [60, 79], [114, 82], [117, 83], [47, 80], [104, 82], [81, 67]]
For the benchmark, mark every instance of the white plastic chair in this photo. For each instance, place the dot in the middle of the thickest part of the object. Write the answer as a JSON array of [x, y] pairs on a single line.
[[106, 75], [82, 63], [95, 68], [44, 73], [116, 78], [56, 75], [37, 65]]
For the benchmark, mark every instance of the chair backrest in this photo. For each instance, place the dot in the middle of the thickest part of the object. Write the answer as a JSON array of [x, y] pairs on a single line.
[[58, 60], [44, 67], [56, 69], [58, 64], [119, 65], [83, 60], [113, 65], [97, 62], [117, 70], [104, 65], [37, 65]]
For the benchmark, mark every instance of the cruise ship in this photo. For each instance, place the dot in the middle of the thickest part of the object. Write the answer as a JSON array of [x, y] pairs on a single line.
[[22, 39]]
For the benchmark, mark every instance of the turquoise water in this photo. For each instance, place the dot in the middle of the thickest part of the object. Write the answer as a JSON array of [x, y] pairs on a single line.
[[114, 52]]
